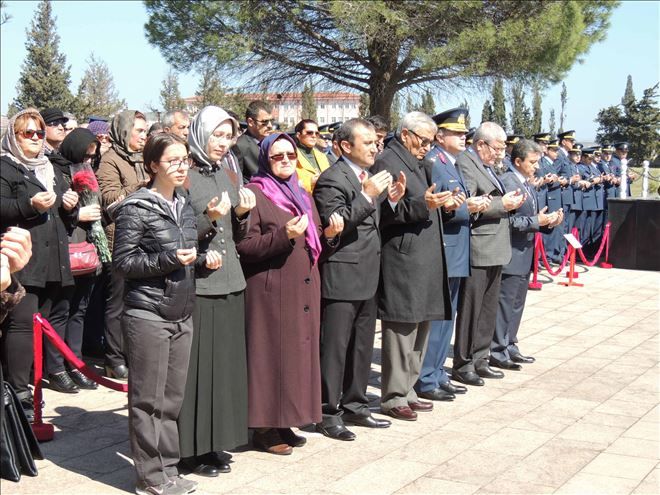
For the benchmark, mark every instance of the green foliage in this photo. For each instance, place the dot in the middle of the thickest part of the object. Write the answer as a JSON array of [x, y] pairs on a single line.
[[498, 114], [395, 111], [410, 104], [210, 91], [537, 112], [45, 77], [96, 93], [378, 47], [628, 95], [551, 122], [308, 103], [363, 109], [521, 120], [4, 15], [170, 97], [564, 99], [428, 104], [487, 112]]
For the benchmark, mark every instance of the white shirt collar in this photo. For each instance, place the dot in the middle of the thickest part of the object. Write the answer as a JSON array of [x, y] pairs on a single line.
[[356, 169]]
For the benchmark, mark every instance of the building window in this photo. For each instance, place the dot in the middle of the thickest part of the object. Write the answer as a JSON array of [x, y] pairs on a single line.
[[322, 106], [321, 120]]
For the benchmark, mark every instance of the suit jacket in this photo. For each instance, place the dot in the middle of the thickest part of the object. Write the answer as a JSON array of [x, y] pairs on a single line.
[[564, 168], [572, 194], [456, 227], [553, 199], [352, 272], [524, 224], [611, 190], [247, 153], [413, 286], [588, 195], [490, 236], [306, 170]]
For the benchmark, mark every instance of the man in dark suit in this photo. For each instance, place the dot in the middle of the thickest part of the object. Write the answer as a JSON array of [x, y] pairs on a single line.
[[528, 219], [413, 290], [349, 279], [433, 383], [259, 119], [490, 248]]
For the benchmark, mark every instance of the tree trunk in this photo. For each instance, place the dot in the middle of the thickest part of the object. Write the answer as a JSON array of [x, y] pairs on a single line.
[[381, 94]]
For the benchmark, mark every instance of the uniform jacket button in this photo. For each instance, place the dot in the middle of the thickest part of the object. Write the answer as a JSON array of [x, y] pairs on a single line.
[[306, 309]]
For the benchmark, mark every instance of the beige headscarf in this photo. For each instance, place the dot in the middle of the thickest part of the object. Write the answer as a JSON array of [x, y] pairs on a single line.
[[40, 165]]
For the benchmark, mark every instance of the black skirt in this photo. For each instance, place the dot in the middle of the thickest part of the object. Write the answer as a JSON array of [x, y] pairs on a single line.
[[214, 412]]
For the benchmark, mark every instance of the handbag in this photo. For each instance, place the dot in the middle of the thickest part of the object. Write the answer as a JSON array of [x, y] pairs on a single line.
[[83, 258], [18, 446]]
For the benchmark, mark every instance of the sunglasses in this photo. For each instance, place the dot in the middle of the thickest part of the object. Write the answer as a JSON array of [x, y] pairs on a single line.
[[311, 133], [57, 123], [278, 157], [29, 133]]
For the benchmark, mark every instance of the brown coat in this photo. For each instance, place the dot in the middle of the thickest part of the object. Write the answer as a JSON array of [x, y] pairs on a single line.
[[117, 177], [283, 317]]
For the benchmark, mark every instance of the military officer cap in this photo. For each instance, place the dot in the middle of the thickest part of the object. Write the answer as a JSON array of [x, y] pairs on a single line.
[[577, 147], [469, 137], [542, 137], [329, 128], [553, 143], [514, 138], [590, 150], [608, 148], [622, 146], [453, 120], [566, 135]]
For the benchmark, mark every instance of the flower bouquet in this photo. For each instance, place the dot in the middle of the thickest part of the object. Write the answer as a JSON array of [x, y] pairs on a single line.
[[85, 184]]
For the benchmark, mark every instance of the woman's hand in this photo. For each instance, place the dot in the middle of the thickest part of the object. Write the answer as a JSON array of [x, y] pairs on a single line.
[[246, 201], [89, 213], [217, 208], [186, 256], [69, 200], [296, 226], [16, 247], [213, 260], [43, 201], [335, 227]]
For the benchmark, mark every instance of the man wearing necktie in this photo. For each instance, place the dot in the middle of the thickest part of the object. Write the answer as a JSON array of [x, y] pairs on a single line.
[[525, 222], [490, 248]]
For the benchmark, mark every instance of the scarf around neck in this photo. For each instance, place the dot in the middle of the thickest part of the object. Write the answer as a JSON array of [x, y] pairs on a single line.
[[120, 133], [201, 129]]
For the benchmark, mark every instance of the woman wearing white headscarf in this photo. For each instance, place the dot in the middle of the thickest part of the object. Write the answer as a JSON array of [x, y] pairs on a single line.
[[214, 413]]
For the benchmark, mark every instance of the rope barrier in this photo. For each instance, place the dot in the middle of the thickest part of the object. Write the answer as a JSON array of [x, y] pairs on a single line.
[[603, 243]]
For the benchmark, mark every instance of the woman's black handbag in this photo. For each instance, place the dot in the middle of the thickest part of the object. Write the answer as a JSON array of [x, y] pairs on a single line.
[[18, 446]]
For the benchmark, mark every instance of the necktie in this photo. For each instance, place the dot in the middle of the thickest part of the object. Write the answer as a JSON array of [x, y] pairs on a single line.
[[530, 193], [495, 179], [362, 176]]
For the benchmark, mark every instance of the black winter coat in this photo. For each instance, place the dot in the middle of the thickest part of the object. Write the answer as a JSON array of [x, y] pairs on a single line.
[[146, 239]]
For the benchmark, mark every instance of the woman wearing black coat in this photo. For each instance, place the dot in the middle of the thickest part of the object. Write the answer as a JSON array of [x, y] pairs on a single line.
[[155, 251]]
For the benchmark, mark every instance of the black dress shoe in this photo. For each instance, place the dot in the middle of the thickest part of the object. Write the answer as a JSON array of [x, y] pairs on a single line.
[[338, 432], [291, 438], [117, 372], [436, 394], [505, 365], [519, 358], [487, 372], [61, 382], [467, 377], [453, 389], [366, 421], [82, 381]]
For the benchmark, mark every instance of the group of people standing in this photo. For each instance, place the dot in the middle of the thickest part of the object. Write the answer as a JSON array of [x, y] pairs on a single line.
[[248, 271]]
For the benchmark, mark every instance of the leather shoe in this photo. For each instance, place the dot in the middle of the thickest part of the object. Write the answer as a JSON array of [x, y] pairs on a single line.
[[62, 382], [421, 406], [291, 438], [117, 372], [82, 381], [467, 377], [436, 394], [487, 372], [270, 441], [206, 470], [505, 365], [402, 412], [338, 432], [449, 387], [519, 358], [366, 421]]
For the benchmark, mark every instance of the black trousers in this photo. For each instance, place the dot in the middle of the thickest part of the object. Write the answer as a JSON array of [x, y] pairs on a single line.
[[477, 314], [347, 342], [52, 301], [513, 294], [114, 307]]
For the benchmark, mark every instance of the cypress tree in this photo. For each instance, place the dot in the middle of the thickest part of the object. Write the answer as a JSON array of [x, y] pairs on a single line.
[[308, 103], [498, 104], [169, 93]]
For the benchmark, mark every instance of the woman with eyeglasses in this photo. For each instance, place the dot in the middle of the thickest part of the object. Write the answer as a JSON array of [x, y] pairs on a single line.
[[35, 197], [280, 256], [155, 252], [214, 413]]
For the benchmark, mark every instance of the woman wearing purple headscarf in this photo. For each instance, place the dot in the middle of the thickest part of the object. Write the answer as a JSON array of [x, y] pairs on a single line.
[[280, 255]]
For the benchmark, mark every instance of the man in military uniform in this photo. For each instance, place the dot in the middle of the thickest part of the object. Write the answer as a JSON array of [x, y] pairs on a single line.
[[510, 141], [542, 175], [621, 154], [553, 240], [611, 182]]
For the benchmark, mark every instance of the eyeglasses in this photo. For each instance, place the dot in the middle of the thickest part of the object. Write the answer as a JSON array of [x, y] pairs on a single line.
[[311, 133], [176, 164], [57, 123], [496, 150], [29, 133], [424, 142], [278, 157], [265, 122]]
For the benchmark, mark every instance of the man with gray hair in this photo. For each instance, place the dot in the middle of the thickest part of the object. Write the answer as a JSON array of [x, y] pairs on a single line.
[[177, 122], [490, 248], [413, 289]]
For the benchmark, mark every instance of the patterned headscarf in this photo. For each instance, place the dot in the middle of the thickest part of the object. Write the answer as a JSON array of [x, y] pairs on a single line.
[[201, 128]]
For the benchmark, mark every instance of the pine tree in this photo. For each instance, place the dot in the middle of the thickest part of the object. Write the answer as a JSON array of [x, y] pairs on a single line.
[[210, 91], [363, 108], [551, 122], [428, 104], [308, 103], [96, 92], [395, 112], [564, 99], [537, 112], [170, 97], [4, 16], [628, 99], [487, 112], [466, 105], [45, 77], [498, 104]]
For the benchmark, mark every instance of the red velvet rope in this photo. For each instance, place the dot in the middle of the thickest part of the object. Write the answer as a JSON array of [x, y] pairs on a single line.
[[603, 244], [552, 272], [41, 325]]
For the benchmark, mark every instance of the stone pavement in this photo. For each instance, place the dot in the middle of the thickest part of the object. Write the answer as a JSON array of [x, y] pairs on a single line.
[[583, 419]]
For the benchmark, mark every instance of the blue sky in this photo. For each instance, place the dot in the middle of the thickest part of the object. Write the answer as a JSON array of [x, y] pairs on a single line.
[[114, 31]]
